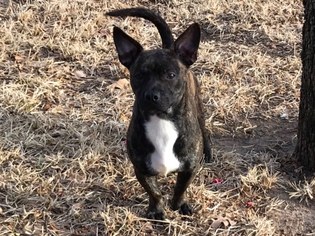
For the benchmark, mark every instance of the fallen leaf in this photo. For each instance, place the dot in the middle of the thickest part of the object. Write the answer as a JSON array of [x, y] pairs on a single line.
[[217, 223], [46, 106], [19, 58], [120, 84], [79, 74], [222, 222], [123, 117]]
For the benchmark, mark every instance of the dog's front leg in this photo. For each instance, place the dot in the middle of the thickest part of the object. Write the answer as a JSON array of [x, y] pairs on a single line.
[[149, 183], [178, 201]]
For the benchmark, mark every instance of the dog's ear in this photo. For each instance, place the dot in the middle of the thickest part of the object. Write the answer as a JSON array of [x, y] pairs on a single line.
[[127, 48], [186, 45]]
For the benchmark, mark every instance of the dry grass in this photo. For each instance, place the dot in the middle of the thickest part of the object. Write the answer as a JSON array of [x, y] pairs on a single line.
[[303, 191], [63, 163]]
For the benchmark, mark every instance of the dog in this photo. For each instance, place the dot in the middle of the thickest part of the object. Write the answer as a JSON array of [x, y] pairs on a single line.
[[167, 130]]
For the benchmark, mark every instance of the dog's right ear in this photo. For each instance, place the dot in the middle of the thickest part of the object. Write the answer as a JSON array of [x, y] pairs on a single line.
[[186, 46], [127, 48]]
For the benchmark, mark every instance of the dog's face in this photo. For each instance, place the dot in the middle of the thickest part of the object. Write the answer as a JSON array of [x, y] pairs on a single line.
[[157, 81], [157, 76]]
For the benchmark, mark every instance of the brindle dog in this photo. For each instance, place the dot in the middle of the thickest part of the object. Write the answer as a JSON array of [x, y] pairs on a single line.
[[167, 129]]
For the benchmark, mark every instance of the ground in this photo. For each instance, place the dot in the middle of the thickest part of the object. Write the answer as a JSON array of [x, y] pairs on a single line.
[[65, 104]]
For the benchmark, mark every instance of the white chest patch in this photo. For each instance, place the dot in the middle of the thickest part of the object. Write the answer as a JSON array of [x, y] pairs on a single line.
[[162, 134]]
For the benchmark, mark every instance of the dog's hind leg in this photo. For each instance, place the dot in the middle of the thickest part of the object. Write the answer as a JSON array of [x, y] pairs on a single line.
[[178, 201], [205, 138], [205, 132], [149, 183], [206, 146]]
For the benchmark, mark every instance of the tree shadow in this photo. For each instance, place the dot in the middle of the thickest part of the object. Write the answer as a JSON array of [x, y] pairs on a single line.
[[254, 37]]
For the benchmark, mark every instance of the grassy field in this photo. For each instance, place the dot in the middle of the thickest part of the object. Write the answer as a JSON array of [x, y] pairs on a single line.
[[65, 104]]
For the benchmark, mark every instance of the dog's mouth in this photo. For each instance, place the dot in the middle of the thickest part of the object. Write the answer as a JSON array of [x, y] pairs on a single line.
[[155, 108], [163, 104], [160, 111]]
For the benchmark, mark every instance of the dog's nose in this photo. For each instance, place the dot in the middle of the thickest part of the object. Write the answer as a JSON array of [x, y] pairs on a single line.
[[152, 96]]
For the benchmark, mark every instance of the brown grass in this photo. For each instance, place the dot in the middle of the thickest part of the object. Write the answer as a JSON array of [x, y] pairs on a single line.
[[63, 120]]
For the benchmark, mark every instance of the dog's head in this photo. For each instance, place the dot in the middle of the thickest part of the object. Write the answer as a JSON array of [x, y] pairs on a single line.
[[157, 76]]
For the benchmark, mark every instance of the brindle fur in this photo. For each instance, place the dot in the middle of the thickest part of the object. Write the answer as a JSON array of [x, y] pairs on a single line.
[[180, 103]]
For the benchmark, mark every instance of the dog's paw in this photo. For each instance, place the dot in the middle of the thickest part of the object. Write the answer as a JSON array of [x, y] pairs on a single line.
[[185, 209], [156, 214]]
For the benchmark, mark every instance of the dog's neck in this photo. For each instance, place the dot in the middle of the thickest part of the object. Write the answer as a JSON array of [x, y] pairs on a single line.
[[187, 103]]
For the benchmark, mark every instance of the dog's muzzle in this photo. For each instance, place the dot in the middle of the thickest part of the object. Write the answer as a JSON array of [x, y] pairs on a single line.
[[154, 101], [152, 96]]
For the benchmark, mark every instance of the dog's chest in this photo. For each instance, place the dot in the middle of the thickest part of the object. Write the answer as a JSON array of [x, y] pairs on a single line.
[[162, 134]]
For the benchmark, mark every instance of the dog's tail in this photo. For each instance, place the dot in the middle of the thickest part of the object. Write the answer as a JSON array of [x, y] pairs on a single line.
[[157, 20]]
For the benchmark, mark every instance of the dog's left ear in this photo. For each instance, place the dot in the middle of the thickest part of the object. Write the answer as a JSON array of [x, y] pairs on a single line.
[[186, 45]]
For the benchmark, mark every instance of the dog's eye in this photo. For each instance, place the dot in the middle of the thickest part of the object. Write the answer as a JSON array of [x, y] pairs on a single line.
[[171, 75]]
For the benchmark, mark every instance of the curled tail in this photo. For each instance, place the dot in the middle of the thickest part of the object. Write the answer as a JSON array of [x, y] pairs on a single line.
[[157, 20]]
